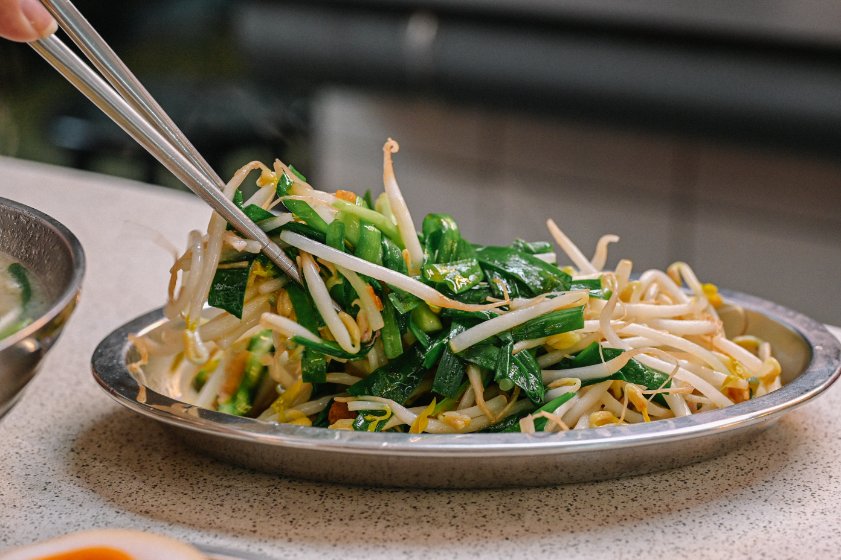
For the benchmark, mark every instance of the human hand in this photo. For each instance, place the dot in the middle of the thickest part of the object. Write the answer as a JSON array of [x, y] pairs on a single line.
[[25, 20]]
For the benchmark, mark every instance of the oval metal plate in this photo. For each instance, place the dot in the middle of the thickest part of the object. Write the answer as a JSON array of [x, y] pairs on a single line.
[[809, 353]]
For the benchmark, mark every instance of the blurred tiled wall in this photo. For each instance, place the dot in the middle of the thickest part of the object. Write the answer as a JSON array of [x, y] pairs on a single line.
[[750, 220]]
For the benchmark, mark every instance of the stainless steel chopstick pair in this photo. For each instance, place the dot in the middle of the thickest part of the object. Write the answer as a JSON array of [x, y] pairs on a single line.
[[129, 105]]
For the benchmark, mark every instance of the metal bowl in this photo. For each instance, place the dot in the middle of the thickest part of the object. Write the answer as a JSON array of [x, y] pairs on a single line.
[[55, 257], [809, 354]]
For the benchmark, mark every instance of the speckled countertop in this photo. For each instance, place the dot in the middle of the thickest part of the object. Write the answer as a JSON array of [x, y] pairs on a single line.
[[71, 458]]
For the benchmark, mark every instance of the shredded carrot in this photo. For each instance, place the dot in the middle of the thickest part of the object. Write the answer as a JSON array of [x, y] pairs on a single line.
[[339, 411], [377, 301], [348, 196], [234, 371]]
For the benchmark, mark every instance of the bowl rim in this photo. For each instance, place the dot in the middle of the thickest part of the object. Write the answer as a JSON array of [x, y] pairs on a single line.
[[72, 288], [824, 368]]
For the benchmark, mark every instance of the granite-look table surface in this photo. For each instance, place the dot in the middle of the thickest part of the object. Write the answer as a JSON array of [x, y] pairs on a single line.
[[71, 458]]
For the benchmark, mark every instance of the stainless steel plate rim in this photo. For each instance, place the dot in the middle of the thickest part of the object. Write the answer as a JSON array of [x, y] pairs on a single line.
[[72, 289], [109, 370]]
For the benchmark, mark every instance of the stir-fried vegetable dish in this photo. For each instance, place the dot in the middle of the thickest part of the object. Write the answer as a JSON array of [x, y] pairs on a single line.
[[407, 326]]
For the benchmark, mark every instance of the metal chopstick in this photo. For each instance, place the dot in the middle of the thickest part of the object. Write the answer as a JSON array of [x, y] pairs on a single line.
[[157, 136]]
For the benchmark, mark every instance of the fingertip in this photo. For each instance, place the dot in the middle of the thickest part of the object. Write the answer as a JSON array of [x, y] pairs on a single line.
[[51, 28], [39, 19]]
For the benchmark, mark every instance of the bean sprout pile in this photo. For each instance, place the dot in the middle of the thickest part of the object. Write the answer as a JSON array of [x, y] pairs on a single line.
[[396, 330]]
